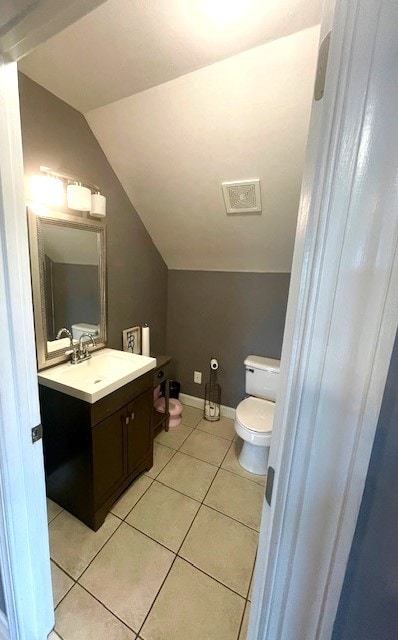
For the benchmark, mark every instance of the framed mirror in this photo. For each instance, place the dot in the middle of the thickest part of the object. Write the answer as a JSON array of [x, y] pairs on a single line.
[[68, 267]]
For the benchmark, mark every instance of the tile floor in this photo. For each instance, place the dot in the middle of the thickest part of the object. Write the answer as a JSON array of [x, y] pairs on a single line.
[[174, 558]]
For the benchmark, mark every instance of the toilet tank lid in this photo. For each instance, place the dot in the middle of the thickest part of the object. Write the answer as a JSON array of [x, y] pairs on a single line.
[[86, 327], [259, 362]]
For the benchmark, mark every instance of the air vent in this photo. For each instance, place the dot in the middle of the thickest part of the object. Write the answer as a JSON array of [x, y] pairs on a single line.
[[243, 196]]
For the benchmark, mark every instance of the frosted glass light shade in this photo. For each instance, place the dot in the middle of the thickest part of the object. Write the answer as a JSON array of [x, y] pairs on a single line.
[[47, 190], [98, 205], [78, 197]]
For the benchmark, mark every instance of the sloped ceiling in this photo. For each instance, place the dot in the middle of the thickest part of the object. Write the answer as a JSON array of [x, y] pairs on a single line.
[[127, 46], [171, 145]]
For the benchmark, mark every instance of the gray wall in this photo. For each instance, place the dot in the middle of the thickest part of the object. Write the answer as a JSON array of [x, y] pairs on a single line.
[[226, 315], [368, 608], [56, 135], [76, 297]]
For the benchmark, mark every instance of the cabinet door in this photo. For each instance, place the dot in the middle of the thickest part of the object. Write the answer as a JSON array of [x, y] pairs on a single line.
[[139, 429], [109, 456]]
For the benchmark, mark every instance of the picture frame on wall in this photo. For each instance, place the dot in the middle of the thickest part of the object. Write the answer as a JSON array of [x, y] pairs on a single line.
[[132, 340]]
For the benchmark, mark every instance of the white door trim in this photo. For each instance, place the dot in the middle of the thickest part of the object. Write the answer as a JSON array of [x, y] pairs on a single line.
[[39, 22], [24, 549], [340, 329]]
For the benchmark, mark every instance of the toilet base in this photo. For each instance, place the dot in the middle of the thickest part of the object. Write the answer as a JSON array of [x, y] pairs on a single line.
[[254, 458]]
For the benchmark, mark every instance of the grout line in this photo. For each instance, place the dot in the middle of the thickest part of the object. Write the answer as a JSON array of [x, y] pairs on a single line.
[[176, 554], [150, 537], [241, 622], [164, 581], [237, 475], [178, 491], [226, 515], [99, 550], [215, 435], [139, 499], [211, 577], [170, 449], [107, 608], [157, 594], [56, 515]]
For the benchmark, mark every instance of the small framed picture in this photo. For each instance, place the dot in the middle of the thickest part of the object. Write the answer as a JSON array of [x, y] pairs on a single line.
[[132, 340]]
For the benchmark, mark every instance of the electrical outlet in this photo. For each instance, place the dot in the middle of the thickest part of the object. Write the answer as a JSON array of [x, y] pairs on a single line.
[[197, 377]]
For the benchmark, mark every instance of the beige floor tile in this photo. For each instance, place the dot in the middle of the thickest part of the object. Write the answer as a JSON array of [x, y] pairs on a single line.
[[206, 447], [245, 623], [80, 616], [164, 514], [231, 463], [191, 415], [61, 582], [131, 496], [127, 574], [193, 606], [53, 509], [174, 437], [161, 456], [188, 475], [224, 427], [236, 497], [73, 545], [227, 554]]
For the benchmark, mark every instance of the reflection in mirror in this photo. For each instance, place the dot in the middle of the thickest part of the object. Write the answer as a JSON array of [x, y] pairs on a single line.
[[68, 276]]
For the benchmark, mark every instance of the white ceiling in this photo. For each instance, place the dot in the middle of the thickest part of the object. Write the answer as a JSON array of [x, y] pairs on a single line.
[[245, 117], [126, 46], [182, 95]]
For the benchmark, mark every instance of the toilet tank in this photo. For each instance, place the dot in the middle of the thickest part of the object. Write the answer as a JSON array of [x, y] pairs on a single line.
[[262, 377], [84, 327]]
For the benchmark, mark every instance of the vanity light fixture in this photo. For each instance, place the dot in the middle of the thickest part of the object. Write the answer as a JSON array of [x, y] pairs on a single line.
[[98, 205], [48, 188], [78, 197]]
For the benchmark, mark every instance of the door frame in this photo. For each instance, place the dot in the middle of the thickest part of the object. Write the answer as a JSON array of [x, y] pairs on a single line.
[[340, 329], [321, 295], [24, 548]]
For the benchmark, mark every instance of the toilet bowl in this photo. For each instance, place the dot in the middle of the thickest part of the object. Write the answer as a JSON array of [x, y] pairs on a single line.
[[253, 423], [255, 414]]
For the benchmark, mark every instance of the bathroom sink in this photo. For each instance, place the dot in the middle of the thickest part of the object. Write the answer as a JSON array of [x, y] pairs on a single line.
[[91, 380]]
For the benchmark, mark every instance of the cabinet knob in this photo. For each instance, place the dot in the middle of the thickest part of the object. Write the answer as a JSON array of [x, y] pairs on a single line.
[[132, 416], [127, 419]]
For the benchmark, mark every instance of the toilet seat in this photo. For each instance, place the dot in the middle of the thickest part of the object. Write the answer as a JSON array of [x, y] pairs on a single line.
[[256, 415]]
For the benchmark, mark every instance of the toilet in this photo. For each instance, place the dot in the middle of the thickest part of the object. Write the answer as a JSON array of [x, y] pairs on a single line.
[[255, 414], [84, 327]]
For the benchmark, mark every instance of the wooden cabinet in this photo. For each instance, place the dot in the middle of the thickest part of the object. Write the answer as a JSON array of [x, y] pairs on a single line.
[[139, 441], [93, 452], [161, 376]]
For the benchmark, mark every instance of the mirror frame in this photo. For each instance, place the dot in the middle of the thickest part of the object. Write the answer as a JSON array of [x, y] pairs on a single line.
[[35, 221]]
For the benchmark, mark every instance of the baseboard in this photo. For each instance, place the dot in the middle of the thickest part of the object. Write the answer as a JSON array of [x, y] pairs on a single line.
[[4, 633], [192, 401]]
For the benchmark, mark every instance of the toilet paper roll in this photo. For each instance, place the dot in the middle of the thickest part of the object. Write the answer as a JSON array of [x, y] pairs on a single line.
[[214, 364], [145, 341]]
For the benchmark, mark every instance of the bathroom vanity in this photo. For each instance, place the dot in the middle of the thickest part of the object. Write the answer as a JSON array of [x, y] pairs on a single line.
[[97, 414], [94, 450]]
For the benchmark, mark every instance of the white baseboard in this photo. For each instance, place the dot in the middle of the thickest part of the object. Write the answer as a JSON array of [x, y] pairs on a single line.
[[192, 401], [4, 633]]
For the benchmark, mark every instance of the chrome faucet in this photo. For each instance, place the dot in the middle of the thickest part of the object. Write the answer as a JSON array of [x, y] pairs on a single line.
[[84, 353], [68, 334]]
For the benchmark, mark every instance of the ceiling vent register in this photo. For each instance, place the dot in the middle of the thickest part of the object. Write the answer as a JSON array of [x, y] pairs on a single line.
[[243, 196]]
